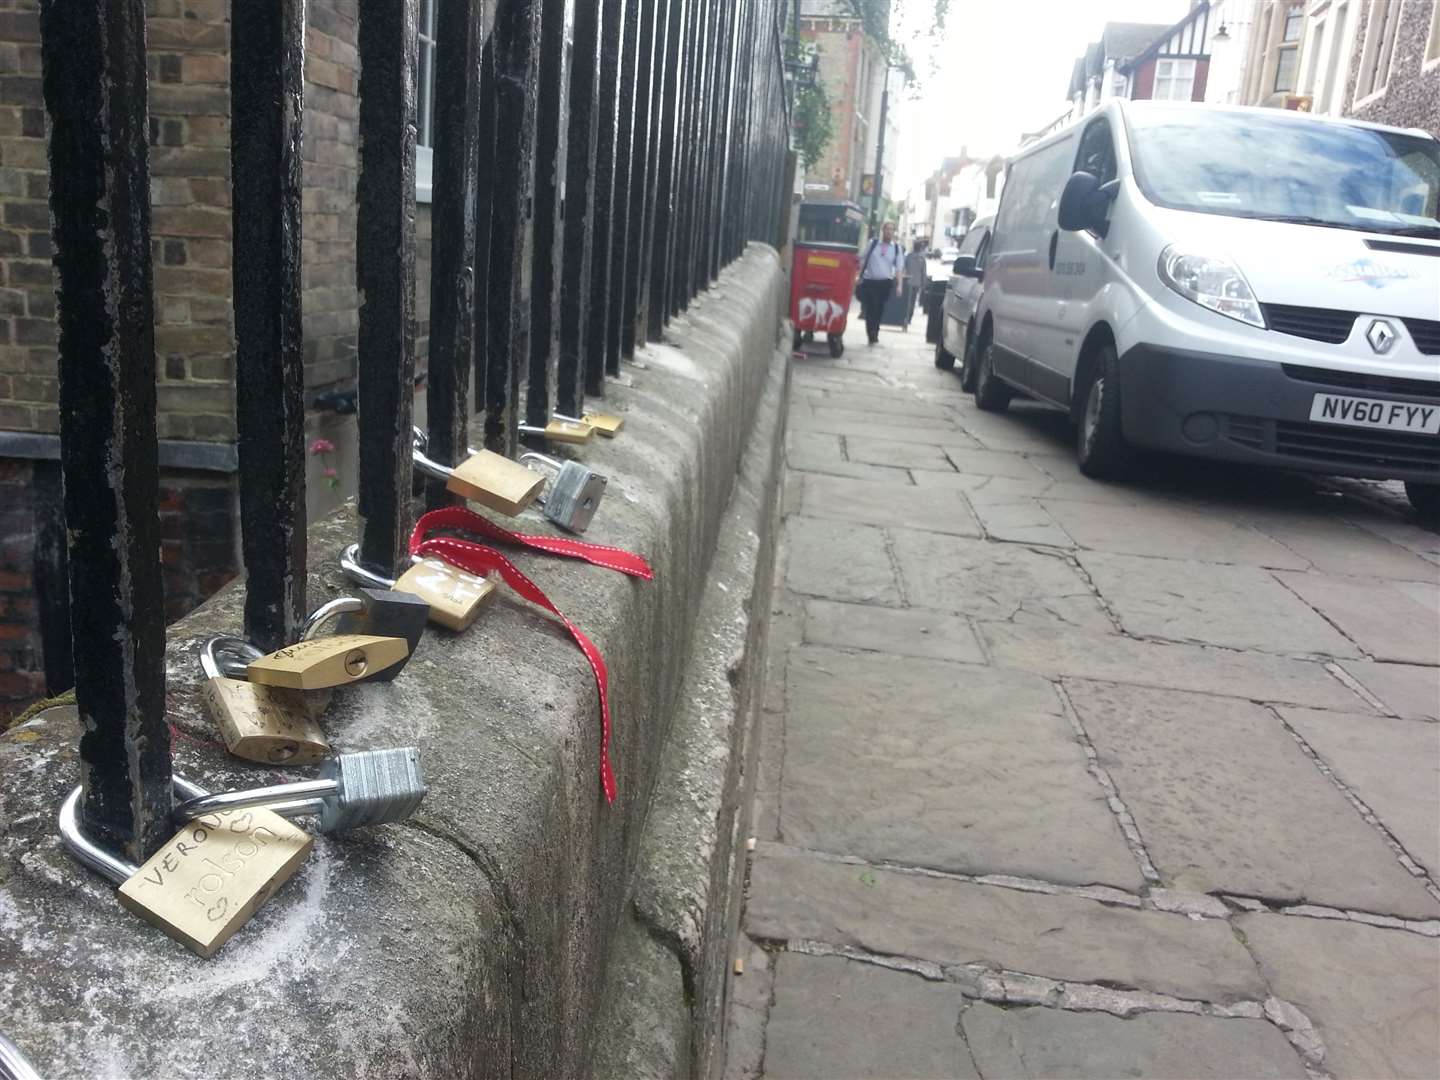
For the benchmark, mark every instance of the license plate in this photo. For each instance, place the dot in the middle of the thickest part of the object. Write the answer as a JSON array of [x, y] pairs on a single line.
[[1373, 413]]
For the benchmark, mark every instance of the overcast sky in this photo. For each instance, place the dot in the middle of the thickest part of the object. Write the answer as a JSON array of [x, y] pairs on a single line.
[[1003, 69]]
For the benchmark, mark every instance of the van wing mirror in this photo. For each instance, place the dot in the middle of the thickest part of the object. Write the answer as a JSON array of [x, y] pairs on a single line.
[[1084, 202], [965, 266]]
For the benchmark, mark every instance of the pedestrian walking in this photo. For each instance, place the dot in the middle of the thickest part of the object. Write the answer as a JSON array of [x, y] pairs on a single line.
[[879, 278], [915, 277]]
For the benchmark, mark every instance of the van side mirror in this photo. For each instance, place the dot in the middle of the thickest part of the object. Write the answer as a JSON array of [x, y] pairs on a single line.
[[965, 266], [1084, 202]]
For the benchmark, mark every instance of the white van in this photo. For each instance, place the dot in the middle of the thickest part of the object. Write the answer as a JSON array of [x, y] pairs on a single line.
[[1249, 284]]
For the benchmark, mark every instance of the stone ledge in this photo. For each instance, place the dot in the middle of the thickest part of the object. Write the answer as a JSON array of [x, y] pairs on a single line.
[[685, 907], [474, 940]]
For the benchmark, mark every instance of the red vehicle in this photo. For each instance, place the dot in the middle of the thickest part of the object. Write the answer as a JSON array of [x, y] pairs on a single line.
[[822, 281]]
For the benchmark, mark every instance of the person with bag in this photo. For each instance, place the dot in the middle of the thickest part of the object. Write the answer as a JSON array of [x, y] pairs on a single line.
[[880, 271]]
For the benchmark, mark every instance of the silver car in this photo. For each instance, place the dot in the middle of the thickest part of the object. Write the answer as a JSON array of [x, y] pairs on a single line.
[[962, 298]]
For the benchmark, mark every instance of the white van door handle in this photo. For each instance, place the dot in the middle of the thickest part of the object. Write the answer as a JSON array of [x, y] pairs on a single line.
[[1054, 243]]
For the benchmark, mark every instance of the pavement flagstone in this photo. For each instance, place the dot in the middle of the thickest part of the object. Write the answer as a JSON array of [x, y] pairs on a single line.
[[1068, 779]]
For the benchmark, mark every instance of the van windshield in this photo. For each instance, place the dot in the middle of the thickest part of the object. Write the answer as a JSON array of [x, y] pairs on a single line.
[[1286, 169]]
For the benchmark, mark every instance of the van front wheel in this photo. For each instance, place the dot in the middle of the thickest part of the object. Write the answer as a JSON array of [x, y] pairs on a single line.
[[1099, 441], [1425, 498], [991, 394]]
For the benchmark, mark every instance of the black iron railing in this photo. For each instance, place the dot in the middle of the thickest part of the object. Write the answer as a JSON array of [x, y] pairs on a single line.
[[669, 141]]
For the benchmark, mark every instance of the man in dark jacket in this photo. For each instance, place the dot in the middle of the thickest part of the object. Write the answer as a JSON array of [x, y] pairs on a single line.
[[880, 270]]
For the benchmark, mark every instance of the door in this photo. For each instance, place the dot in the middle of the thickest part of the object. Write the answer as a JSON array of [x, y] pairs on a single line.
[[1079, 269], [962, 292]]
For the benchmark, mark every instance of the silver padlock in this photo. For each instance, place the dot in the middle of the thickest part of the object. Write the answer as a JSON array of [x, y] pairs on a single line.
[[574, 494], [13, 1064], [368, 787]]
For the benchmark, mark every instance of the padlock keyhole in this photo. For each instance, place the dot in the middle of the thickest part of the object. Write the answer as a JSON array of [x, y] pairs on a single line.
[[356, 663]]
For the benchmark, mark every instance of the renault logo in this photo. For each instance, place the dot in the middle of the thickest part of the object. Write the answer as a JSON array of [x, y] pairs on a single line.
[[1381, 336]]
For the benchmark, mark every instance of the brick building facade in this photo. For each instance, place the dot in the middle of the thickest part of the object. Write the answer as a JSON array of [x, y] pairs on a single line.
[[189, 98], [851, 69]]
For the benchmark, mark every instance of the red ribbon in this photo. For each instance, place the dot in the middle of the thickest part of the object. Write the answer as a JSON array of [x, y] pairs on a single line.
[[458, 517], [480, 561]]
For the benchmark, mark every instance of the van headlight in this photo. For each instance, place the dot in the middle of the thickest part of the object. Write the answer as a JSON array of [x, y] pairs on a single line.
[[1212, 282]]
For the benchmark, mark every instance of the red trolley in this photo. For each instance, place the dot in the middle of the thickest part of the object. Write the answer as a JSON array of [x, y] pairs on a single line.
[[822, 279]]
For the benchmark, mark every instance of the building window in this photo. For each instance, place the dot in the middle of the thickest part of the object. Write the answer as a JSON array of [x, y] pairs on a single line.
[[1379, 48], [425, 101], [1285, 64], [1315, 50], [1294, 23], [1432, 50], [1174, 80]]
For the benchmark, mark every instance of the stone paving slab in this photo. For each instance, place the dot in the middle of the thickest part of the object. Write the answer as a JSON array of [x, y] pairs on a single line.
[[1240, 607], [1337, 547], [894, 428], [1409, 690], [869, 503], [948, 766], [1043, 1044], [1373, 995], [1031, 429], [890, 403], [914, 453], [1385, 621], [811, 451], [839, 561], [837, 1019], [1169, 531], [897, 631], [1017, 520], [966, 459], [995, 582], [1227, 802], [798, 896], [1392, 765], [1058, 650]]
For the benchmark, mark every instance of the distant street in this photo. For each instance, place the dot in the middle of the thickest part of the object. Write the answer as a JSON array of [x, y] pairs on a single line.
[[1062, 778]]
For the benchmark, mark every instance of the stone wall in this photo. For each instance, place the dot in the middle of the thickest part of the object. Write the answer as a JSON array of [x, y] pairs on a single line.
[[1412, 95], [478, 939]]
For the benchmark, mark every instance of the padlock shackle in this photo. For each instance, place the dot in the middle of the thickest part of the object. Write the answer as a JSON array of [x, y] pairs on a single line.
[[88, 853], [276, 797], [14, 1065], [215, 667], [544, 459], [430, 468], [341, 605], [567, 419], [351, 567]]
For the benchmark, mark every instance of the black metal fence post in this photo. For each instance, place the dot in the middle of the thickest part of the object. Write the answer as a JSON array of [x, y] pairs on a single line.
[[93, 56], [267, 101], [622, 223], [671, 115], [455, 167], [552, 110], [589, 152], [509, 172], [649, 79], [385, 274]]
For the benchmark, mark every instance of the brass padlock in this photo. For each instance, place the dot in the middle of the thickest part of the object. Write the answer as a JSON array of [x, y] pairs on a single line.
[[208, 880], [485, 477], [268, 724], [327, 661], [560, 430], [606, 424], [455, 597]]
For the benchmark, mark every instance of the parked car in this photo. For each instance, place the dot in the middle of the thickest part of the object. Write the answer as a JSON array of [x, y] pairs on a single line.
[[962, 302], [1255, 285]]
